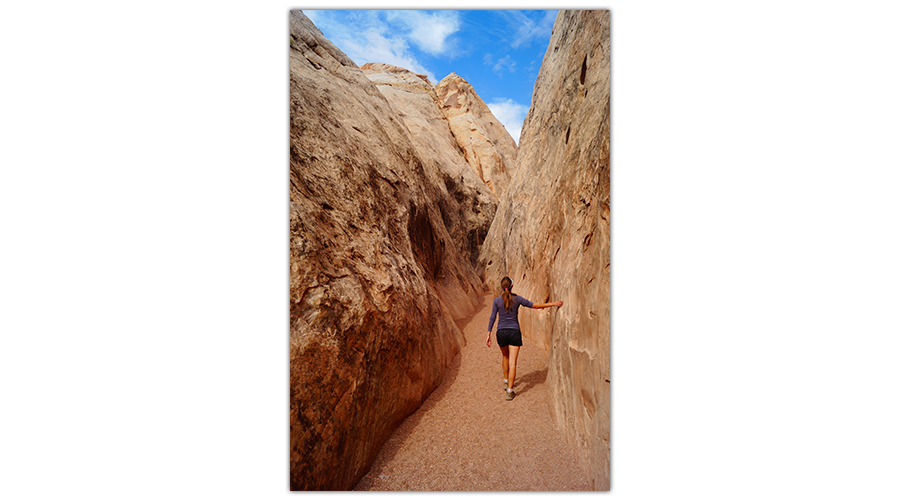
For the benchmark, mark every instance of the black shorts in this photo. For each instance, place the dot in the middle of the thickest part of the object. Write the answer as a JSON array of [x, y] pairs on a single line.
[[509, 336]]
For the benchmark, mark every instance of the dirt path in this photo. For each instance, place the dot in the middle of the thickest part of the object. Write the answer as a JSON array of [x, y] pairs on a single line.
[[466, 436]]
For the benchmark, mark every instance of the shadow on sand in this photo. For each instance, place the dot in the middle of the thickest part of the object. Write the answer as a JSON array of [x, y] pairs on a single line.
[[529, 380]]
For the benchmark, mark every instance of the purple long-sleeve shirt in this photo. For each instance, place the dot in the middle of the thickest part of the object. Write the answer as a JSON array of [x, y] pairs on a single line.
[[508, 319]]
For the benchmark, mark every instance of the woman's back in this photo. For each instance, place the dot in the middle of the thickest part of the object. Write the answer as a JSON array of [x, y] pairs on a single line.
[[508, 319]]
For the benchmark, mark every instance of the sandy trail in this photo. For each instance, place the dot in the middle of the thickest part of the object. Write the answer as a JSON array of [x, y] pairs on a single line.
[[466, 436]]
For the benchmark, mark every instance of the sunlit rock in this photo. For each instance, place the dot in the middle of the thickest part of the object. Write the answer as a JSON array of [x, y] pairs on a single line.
[[485, 142]]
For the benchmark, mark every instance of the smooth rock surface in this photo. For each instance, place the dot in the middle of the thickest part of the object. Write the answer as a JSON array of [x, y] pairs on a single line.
[[372, 264], [551, 233], [485, 142]]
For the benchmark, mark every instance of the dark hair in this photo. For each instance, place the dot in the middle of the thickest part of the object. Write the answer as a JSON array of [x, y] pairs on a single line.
[[506, 285]]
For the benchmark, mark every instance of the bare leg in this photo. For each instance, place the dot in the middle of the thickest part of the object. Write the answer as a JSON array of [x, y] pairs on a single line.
[[513, 356], [504, 349]]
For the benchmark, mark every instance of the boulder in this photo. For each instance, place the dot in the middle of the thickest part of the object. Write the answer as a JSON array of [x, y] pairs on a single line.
[[371, 258], [551, 232], [485, 142]]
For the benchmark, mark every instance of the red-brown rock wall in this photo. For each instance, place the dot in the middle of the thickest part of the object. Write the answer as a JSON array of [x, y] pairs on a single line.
[[372, 264], [551, 233]]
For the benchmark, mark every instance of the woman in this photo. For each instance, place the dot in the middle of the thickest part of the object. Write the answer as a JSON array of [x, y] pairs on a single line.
[[509, 335]]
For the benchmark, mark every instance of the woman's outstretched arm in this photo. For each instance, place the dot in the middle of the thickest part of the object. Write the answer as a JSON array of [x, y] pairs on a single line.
[[558, 303]]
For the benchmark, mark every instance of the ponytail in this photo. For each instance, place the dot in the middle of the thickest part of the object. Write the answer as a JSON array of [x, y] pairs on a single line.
[[506, 285]]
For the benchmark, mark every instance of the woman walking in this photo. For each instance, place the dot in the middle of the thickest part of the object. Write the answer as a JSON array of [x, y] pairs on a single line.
[[509, 335]]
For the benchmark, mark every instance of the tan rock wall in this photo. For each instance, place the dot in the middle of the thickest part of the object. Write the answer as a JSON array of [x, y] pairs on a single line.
[[466, 204], [371, 264], [551, 233], [485, 142]]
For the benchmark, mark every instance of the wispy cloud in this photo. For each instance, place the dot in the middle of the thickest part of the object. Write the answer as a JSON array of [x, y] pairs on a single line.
[[511, 114], [533, 67], [504, 62], [528, 29], [386, 36]]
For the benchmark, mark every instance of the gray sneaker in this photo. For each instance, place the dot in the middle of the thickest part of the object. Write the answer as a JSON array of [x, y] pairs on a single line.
[[510, 395]]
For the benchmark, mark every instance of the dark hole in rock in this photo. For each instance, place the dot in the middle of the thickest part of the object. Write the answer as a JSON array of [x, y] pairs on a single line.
[[450, 182], [583, 69], [568, 129]]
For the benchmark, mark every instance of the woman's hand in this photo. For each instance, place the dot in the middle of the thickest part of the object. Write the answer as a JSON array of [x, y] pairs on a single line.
[[489, 339], [558, 303]]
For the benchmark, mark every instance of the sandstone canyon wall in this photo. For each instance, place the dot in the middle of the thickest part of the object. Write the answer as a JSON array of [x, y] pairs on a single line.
[[486, 143], [377, 275], [466, 204], [551, 233]]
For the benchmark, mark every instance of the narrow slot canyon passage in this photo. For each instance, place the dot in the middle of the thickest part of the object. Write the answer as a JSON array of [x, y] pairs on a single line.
[[406, 192], [468, 437]]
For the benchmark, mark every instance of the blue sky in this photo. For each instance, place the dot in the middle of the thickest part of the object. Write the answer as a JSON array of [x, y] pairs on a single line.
[[498, 51]]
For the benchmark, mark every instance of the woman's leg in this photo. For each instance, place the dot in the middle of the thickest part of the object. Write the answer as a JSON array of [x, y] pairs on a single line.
[[513, 355], [504, 349]]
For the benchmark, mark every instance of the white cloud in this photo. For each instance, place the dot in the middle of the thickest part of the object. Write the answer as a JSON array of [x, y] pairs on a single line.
[[367, 36], [428, 31], [511, 114], [376, 47]]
